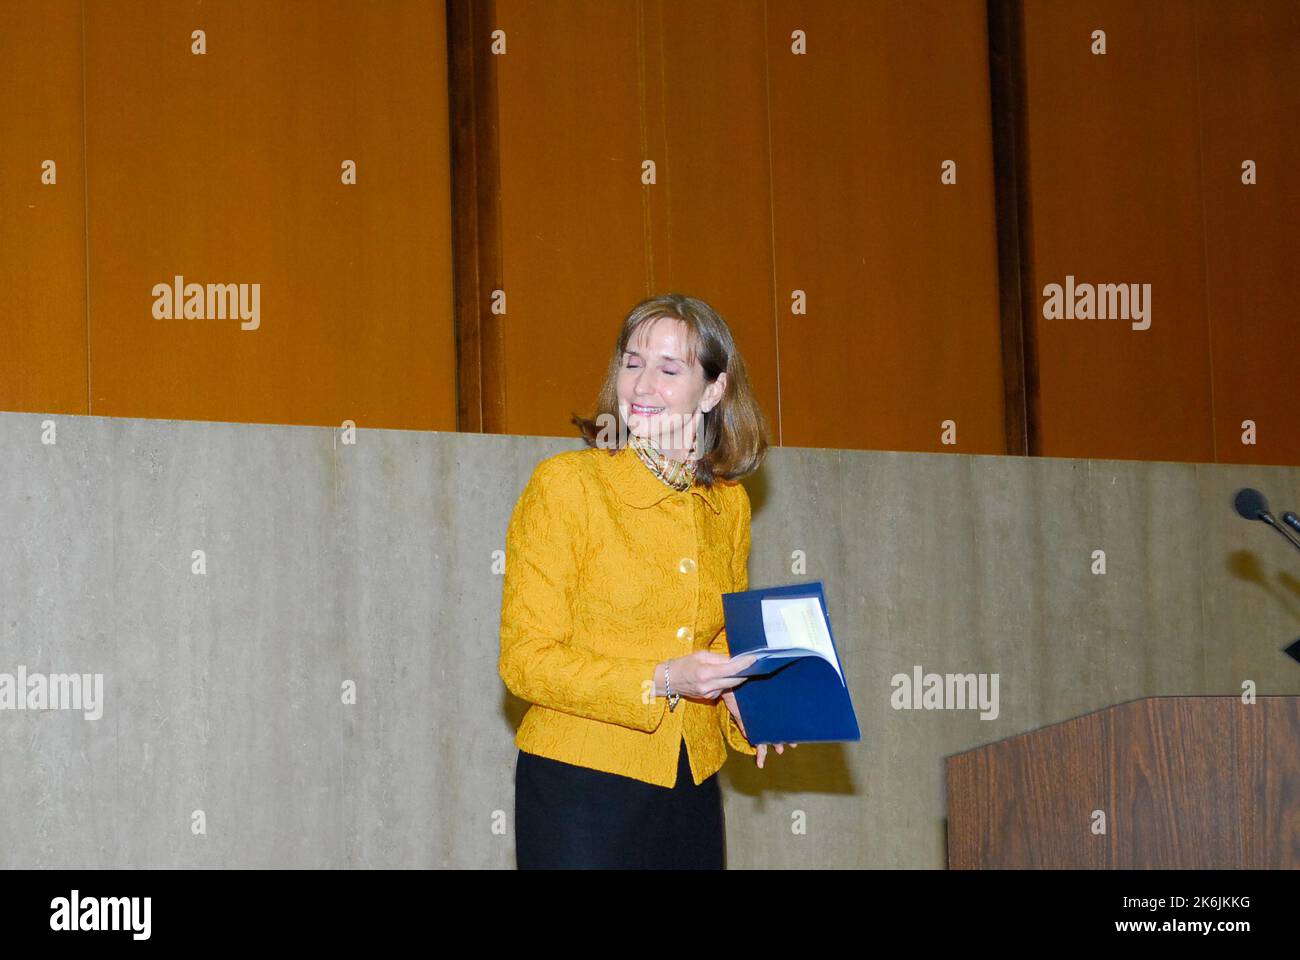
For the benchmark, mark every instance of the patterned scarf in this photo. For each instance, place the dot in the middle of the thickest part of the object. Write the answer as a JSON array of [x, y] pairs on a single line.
[[678, 474]]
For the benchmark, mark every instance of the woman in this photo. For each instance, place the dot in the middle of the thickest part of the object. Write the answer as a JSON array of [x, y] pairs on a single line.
[[617, 557]]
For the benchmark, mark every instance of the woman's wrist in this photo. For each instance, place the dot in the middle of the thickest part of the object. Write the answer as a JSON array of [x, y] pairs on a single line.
[[662, 678]]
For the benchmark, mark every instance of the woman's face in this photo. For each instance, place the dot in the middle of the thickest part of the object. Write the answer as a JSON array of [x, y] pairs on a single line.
[[659, 394]]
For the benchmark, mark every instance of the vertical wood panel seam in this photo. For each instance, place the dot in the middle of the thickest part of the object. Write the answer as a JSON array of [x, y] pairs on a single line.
[[1004, 52], [459, 217], [475, 238], [480, 318], [1205, 236], [85, 198], [771, 223], [1028, 274], [647, 211], [663, 122], [491, 74]]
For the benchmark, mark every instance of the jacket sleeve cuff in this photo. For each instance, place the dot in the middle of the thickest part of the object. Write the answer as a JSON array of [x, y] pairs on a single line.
[[735, 739], [610, 689]]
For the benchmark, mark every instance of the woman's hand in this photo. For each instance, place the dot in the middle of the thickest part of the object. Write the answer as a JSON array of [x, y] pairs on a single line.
[[703, 675], [762, 751], [729, 699]]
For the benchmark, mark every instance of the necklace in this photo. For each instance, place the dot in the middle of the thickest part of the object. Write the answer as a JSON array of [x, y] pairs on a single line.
[[678, 474]]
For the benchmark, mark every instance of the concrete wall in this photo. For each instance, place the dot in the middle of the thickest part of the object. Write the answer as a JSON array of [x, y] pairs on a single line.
[[374, 563]]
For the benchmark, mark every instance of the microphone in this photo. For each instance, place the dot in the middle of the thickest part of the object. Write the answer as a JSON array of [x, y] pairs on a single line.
[[1250, 504]]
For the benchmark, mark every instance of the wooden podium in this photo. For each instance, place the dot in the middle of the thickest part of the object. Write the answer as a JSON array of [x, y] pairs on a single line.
[[1182, 783]]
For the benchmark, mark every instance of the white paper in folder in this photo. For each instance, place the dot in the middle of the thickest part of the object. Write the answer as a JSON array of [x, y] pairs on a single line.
[[798, 623]]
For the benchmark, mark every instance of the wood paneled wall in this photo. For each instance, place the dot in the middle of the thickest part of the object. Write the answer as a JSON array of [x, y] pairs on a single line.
[[227, 166], [798, 150], [1136, 176], [43, 332], [776, 172]]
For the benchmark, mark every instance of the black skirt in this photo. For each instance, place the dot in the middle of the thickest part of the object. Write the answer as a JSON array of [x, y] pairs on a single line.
[[571, 817]]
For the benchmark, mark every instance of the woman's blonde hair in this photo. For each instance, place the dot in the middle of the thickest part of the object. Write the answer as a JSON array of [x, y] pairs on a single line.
[[733, 438]]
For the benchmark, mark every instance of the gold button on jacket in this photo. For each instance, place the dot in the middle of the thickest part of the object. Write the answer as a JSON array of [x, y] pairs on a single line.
[[609, 571]]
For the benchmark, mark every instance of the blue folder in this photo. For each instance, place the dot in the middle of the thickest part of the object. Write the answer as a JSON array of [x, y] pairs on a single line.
[[800, 701]]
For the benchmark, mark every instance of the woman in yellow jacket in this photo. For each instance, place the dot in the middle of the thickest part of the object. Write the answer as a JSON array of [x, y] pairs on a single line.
[[617, 557]]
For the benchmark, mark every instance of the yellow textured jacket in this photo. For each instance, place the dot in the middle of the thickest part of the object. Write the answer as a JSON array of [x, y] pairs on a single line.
[[610, 571]]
